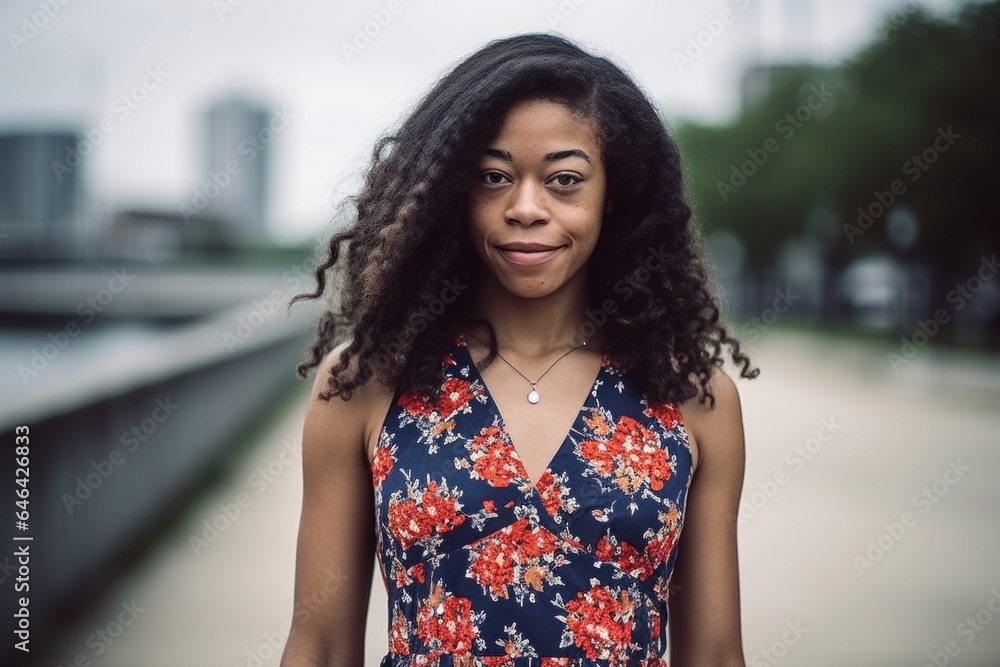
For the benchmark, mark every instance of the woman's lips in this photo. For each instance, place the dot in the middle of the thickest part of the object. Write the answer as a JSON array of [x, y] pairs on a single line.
[[522, 258]]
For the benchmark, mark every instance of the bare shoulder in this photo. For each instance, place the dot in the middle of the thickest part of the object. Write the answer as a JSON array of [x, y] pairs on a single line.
[[358, 415], [716, 431]]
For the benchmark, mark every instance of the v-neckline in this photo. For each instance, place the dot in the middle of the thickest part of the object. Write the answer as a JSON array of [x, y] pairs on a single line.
[[523, 471]]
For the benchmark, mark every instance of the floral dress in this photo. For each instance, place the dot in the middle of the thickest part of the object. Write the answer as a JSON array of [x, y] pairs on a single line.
[[484, 568]]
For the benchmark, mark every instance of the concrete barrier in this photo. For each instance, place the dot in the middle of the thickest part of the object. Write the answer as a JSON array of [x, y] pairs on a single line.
[[114, 449]]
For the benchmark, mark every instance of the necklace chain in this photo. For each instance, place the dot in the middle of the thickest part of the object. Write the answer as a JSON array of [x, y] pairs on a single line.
[[533, 395]]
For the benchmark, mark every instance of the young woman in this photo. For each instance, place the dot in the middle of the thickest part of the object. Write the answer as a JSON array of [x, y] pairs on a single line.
[[529, 410]]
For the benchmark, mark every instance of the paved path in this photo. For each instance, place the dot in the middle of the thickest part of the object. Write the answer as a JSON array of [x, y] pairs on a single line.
[[840, 545]]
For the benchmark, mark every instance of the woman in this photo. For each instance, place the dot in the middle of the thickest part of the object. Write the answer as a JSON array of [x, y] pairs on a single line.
[[530, 209]]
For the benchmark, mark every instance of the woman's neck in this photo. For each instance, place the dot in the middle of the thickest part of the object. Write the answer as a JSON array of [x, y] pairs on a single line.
[[536, 328]]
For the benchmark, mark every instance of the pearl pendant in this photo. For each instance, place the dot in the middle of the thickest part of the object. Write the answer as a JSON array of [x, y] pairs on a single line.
[[533, 396]]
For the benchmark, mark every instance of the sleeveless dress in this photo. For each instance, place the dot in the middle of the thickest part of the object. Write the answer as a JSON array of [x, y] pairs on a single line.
[[484, 569]]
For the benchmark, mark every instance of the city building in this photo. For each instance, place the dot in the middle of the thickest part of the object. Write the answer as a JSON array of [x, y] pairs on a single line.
[[235, 183], [41, 194]]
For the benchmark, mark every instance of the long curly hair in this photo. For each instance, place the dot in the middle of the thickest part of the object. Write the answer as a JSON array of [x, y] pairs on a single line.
[[410, 272]]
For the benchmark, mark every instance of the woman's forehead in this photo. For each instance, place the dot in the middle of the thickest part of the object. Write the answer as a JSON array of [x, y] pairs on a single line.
[[546, 127]]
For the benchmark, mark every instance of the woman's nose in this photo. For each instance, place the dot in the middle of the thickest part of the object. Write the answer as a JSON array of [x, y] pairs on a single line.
[[527, 203]]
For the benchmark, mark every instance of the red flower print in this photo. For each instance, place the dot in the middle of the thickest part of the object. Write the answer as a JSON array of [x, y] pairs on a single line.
[[407, 523], [661, 542], [516, 553], [454, 396], [654, 623], [666, 413], [550, 492], [410, 521], [626, 556], [597, 423], [495, 660], [444, 623], [493, 565], [599, 454], [605, 550], [660, 547], [415, 404], [633, 454], [493, 457], [634, 562], [601, 624], [381, 466], [399, 635], [531, 542]]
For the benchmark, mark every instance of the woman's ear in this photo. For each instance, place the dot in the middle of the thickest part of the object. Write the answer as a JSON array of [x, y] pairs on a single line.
[[608, 207]]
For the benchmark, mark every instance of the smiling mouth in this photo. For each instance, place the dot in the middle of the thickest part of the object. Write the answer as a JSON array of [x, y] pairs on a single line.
[[532, 257]]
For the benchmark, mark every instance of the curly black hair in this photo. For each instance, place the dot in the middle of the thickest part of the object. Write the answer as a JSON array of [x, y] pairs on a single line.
[[411, 271]]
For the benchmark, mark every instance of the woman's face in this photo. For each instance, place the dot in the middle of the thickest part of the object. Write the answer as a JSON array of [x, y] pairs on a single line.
[[541, 182]]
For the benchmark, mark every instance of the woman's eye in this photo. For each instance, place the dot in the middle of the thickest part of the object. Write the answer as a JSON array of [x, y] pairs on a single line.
[[493, 178], [566, 180]]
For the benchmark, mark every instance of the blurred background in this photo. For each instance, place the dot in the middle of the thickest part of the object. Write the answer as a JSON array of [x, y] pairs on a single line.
[[169, 171]]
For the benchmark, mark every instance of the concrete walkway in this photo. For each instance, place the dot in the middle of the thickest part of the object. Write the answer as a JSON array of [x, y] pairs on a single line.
[[869, 533]]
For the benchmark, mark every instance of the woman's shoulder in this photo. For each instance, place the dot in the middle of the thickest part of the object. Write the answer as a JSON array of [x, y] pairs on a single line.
[[717, 430], [350, 417]]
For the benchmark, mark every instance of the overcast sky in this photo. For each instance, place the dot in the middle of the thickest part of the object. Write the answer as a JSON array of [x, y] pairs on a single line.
[[75, 68]]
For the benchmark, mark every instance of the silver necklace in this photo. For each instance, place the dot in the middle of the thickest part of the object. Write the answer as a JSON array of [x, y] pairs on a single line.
[[533, 395]]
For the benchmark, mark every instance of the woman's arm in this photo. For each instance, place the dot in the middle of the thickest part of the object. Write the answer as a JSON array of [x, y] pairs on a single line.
[[336, 540], [704, 618]]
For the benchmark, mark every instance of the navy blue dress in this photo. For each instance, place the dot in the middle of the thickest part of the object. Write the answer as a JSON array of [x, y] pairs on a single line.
[[484, 568]]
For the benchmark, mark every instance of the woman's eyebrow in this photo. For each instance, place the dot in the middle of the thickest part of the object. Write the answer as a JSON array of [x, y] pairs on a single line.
[[502, 154], [569, 152]]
